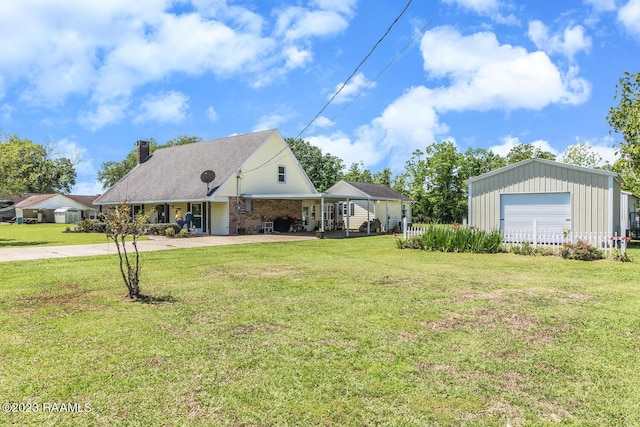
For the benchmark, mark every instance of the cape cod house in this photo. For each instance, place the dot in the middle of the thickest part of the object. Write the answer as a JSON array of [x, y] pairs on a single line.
[[246, 183]]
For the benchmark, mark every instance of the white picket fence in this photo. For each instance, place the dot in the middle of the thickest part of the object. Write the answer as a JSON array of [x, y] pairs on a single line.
[[551, 240], [555, 240]]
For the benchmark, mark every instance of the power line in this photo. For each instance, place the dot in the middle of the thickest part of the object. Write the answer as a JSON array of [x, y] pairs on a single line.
[[345, 83], [356, 69], [418, 34]]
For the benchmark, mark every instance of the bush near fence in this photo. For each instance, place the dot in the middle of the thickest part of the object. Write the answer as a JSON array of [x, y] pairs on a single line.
[[462, 239], [445, 239]]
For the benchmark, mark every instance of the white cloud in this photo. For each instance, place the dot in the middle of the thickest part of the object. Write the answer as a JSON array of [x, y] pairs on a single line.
[[169, 107], [6, 110], [629, 16], [603, 146], [212, 115], [602, 5], [572, 41], [352, 89], [349, 151], [478, 6], [487, 75], [343, 6], [87, 188], [106, 51], [509, 142], [409, 123], [271, 121], [323, 122], [105, 113], [489, 8], [85, 169], [296, 58], [479, 74]]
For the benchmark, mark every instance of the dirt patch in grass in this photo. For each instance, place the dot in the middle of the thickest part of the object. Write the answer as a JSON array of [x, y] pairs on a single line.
[[517, 386], [69, 303], [522, 326], [515, 296]]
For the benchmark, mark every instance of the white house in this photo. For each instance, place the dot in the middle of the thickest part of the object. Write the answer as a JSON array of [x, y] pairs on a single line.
[[244, 184], [42, 206], [253, 179]]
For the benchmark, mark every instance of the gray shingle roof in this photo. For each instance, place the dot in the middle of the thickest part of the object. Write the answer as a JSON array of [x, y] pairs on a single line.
[[380, 191], [173, 173]]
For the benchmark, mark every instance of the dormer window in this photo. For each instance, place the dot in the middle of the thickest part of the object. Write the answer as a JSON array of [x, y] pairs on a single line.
[[281, 174]]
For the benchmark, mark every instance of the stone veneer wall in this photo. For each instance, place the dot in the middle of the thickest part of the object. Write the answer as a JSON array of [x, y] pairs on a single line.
[[261, 210]]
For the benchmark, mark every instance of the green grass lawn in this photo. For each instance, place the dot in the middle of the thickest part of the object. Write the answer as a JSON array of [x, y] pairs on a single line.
[[22, 235], [323, 332]]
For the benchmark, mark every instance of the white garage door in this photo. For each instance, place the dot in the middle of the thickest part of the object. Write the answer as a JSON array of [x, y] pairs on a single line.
[[550, 211]]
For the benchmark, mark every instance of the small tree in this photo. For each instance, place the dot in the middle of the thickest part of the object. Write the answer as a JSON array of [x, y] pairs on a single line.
[[121, 224]]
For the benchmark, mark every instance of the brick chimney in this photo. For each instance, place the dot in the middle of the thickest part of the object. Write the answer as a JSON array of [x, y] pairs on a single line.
[[143, 151]]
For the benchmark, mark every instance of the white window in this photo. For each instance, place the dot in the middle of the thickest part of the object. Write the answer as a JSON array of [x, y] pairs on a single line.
[[313, 212], [281, 174], [351, 209]]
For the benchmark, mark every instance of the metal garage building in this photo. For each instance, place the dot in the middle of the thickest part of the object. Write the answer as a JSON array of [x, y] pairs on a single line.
[[548, 196]]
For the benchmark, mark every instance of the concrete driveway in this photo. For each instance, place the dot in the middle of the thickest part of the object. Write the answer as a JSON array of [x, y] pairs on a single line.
[[156, 243]]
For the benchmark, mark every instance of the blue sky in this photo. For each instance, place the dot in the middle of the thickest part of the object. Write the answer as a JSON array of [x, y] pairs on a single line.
[[94, 77]]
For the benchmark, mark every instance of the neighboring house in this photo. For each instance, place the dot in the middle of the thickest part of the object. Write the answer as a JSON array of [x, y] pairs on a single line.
[[546, 196], [43, 206], [362, 202], [257, 180]]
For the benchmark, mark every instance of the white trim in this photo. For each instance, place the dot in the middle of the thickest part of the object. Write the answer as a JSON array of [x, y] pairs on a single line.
[[545, 162], [470, 196]]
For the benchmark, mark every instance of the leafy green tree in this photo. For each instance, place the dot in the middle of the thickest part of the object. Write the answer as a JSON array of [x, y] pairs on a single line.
[[624, 119], [478, 161], [27, 167], [583, 154], [411, 183], [435, 180], [446, 200], [383, 177], [323, 170], [527, 151], [111, 172], [359, 173]]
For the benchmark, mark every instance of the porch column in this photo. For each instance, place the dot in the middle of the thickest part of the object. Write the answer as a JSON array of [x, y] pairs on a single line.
[[368, 216], [322, 213], [386, 203], [348, 213]]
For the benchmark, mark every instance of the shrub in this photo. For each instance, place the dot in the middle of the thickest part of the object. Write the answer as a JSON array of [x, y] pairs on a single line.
[[90, 226], [170, 232], [183, 233], [618, 255], [526, 248], [413, 242], [160, 229], [581, 250]]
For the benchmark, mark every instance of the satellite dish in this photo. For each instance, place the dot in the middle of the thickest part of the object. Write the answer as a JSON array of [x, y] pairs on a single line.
[[208, 176]]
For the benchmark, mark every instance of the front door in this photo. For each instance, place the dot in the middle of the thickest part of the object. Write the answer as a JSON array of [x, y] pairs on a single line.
[[196, 212]]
